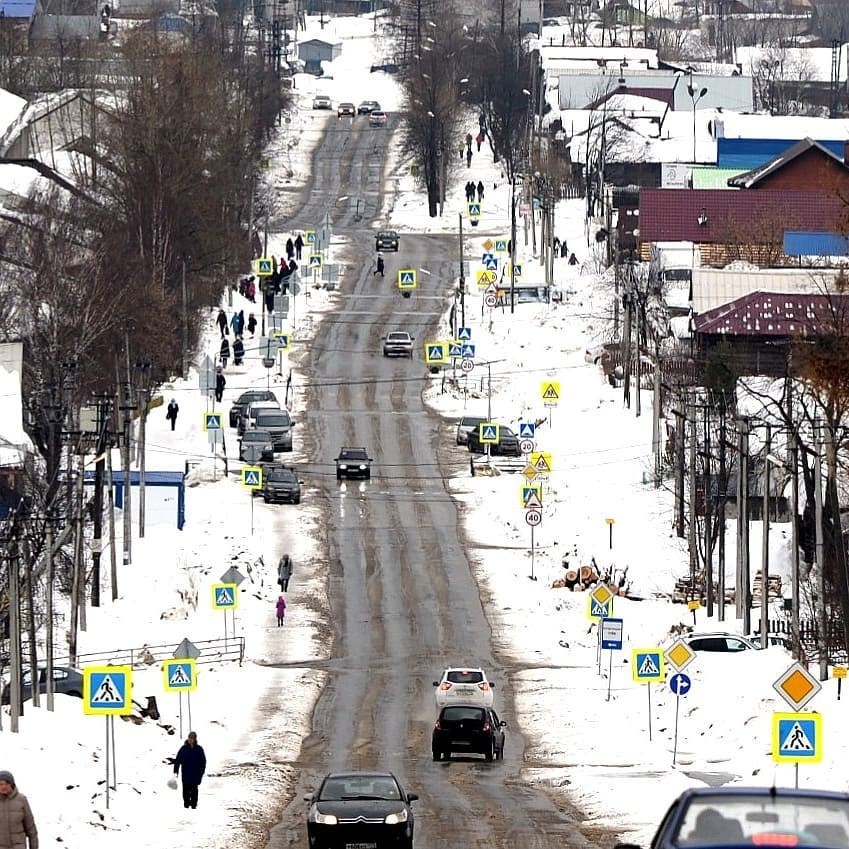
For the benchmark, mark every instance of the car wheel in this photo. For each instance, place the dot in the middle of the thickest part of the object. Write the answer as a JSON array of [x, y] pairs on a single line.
[[437, 755], [490, 752], [297, 499], [265, 499]]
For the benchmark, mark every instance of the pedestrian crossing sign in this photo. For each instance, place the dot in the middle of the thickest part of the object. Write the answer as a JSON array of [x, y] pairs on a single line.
[[550, 391], [212, 421], [599, 609], [464, 334], [252, 477], [797, 737], [455, 349], [501, 246], [490, 262], [225, 596], [107, 690], [309, 237], [532, 497], [282, 340], [488, 433], [474, 210], [541, 460], [467, 351], [527, 430], [516, 271], [264, 266], [647, 665], [315, 261], [180, 675], [435, 353], [406, 278]]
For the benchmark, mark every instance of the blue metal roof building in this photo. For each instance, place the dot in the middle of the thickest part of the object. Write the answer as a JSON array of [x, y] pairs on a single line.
[[800, 244], [745, 154]]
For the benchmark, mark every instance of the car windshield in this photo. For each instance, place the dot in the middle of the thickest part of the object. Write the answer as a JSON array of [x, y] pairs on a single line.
[[764, 820], [386, 234], [273, 420], [457, 714], [398, 337], [359, 787], [464, 677], [281, 476], [471, 421], [353, 454]]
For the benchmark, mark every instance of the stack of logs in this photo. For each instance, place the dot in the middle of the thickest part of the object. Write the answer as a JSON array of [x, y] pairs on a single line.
[[584, 578]]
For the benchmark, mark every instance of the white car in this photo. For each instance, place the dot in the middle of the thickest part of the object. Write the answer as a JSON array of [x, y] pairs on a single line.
[[463, 685]]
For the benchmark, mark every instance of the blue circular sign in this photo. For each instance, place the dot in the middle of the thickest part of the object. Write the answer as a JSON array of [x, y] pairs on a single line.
[[680, 684]]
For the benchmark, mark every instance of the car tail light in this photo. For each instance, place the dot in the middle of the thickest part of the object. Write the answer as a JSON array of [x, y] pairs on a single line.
[[445, 686], [437, 726], [487, 726], [483, 686]]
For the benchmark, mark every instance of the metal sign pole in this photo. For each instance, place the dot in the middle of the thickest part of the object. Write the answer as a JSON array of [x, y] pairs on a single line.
[[114, 753], [180, 694], [609, 672], [532, 553], [675, 739], [106, 726], [648, 690], [598, 647], [189, 708]]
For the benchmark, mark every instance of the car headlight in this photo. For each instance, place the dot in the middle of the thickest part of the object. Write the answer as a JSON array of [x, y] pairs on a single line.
[[362, 467], [319, 818], [343, 466], [395, 819]]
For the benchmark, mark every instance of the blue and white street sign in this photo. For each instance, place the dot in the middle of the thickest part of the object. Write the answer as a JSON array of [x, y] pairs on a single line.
[[680, 684], [797, 737], [464, 334], [212, 421], [468, 351], [107, 690], [455, 349], [501, 246], [225, 596], [599, 610], [490, 262], [486, 257], [180, 675], [527, 430], [474, 210], [647, 665], [611, 633], [315, 261], [488, 432]]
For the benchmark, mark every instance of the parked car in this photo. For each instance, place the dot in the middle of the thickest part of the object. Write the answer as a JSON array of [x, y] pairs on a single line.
[[720, 642], [386, 67], [256, 437], [377, 118], [353, 463], [507, 445], [245, 398], [772, 817], [281, 484], [67, 680], [321, 101], [368, 106], [346, 109], [471, 729], [465, 426], [463, 684], [279, 424], [398, 343], [360, 809], [251, 411], [386, 240]]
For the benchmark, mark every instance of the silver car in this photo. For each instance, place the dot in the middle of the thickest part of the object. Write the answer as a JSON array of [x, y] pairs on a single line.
[[279, 424], [398, 344]]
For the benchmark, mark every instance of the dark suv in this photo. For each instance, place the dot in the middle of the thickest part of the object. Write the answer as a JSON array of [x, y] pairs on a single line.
[[507, 445], [474, 729], [241, 403], [279, 424], [386, 240], [281, 484], [353, 463]]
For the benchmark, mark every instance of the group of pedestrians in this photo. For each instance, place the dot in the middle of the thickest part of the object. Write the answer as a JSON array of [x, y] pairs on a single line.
[[284, 574], [472, 189]]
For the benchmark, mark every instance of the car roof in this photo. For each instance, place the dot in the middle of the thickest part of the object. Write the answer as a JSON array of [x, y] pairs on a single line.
[[361, 774], [786, 792], [463, 669]]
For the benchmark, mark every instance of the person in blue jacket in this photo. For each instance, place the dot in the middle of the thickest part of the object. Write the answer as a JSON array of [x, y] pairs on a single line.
[[192, 760]]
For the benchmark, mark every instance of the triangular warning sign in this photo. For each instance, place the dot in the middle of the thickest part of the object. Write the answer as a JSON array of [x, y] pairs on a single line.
[[251, 478], [550, 393], [797, 740], [107, 693], [542, 465], [648, 667], [178, 677], [223, 597], [488, 432], [532, 501]]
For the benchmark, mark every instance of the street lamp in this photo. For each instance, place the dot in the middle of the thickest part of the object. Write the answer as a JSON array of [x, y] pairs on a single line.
[[695, 95]]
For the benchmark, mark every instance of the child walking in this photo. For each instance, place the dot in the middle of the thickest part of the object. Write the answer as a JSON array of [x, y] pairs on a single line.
[[281, 610]]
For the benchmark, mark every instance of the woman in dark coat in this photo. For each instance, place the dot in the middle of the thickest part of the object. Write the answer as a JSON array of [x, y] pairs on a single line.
[[224, 353], [192, 760], [238, 351], [222, 322]]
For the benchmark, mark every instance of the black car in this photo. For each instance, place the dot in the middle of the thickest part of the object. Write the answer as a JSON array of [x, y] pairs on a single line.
[[258, 441], [367, 107], [770, 817], [67, 680], [507, 445], [353, 463], [386, 240], [362, 809], [472, 729], [281, 484], [244, 399]]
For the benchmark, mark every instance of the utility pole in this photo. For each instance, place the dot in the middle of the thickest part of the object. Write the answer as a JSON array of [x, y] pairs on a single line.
[[14, 623], [822, 621], [144, 393], [708, 503], [680, 447], [113, 560], [512, 241], [126, 407], [693, 544], [462, 277], [103, 414], [765, 543], [723, 494], [794, 541], [743, 592], [627, 296], [184, 354]]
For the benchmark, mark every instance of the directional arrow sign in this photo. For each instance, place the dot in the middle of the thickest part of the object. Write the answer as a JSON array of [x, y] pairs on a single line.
[[680, 684]]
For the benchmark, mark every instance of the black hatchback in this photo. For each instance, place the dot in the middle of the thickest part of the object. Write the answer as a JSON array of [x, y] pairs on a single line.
[[364, 809], [507, 445], [472, 729]]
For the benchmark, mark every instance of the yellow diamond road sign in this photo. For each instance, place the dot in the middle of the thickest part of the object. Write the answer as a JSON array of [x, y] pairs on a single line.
[[601, 594], [550, 391], [679, 654], [797, 686], [530, 472], [487, 245]]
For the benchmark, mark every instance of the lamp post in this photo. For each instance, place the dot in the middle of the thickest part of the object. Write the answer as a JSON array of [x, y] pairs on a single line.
[[695, 95]]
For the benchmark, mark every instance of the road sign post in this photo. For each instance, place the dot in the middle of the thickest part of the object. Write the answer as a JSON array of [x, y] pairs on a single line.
[[611, 639], [680, 684], [647, 665], [610, 524]]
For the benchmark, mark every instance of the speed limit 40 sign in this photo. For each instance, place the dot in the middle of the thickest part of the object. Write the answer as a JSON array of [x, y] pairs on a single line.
[[533, 517]]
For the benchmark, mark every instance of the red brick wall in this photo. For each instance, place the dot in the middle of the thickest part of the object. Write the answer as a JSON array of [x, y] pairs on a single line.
[[812, 171]]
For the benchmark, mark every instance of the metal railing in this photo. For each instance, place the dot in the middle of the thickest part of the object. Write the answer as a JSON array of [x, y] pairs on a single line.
[[231, 648]]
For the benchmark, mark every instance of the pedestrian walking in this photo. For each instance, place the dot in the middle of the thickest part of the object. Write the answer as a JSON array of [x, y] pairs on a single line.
[[250, 290], [299, 245], [220, 383], [171, 414], [460, 150], [564, 249], [222, 322], [469, 142], [479, 140], [17, 825], [290, 248], [224, 352], [252, 324], [573, 260], [468, 157], [555, 246], [191, 759], [238, 351], [280, 609], [480, 190], [380, 266], [284, 572]]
